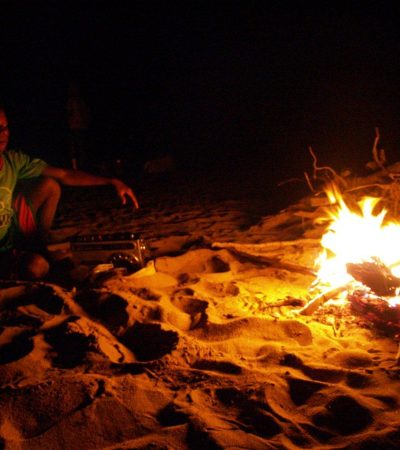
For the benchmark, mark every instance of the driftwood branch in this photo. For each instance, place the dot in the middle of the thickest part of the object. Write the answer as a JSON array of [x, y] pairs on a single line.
[[378, 154], [320, 299], [270, 253], [336, 178], [309, 184], [267, 247]]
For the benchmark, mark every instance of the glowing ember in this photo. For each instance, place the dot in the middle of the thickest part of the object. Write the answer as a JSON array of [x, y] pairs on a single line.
[[356, 237]]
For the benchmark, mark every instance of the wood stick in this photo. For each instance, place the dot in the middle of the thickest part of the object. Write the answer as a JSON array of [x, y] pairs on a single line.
[[320, 299], [268, 246]]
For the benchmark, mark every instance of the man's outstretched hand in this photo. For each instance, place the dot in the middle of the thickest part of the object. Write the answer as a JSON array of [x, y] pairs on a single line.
[[125, 192], [74, 177]]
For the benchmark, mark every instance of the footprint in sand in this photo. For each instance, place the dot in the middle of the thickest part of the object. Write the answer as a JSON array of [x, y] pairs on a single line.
[[344, 415], [110, 309], [18, 348], [149, 341], [256, 416], [331, 374], [185, 278], [171, 415], [70, 344], [80, 341], [184, 300], [301, 390], [217, 265], [221, 289], [357, 380], [145, 294], [226, 367]]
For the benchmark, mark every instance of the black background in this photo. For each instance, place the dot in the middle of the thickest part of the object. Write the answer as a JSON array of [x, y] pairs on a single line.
[[212, 82]]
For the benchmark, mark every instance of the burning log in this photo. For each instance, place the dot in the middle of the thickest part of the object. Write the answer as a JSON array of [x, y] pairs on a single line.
[[373, 274], [376, 276], [377, 312]]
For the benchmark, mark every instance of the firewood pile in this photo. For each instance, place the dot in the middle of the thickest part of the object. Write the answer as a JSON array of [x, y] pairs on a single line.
[[372, 306], [376, 312]]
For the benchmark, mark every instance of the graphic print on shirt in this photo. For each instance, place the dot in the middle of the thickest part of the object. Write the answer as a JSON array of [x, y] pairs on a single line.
[[6, 212]]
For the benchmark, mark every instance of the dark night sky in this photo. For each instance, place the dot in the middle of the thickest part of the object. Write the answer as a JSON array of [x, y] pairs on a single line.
[[209, 81]]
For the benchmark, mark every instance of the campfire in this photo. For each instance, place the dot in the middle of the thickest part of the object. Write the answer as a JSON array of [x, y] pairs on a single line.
[[358, 239], [360, 260]]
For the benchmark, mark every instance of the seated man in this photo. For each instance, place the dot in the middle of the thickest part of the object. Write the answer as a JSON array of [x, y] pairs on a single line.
[[27, 213]]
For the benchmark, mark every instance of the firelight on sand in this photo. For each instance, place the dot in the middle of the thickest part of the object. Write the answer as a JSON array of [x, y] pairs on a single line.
[[355, 236]]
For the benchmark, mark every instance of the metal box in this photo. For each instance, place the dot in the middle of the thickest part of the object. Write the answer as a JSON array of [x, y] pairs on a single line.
[[124, 249]]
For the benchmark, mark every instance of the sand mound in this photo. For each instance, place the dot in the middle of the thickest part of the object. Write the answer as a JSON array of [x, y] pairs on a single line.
[[201, 349]]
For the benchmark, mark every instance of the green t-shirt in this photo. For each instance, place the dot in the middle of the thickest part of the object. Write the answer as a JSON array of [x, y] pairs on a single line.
[[13, 167]]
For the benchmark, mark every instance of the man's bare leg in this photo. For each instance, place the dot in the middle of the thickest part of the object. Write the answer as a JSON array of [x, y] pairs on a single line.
[[32, 266], [44, 196]]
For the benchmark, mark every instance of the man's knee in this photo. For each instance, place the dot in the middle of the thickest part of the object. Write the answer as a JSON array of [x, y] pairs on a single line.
[[39, 191], [50, 186], [33, 266]]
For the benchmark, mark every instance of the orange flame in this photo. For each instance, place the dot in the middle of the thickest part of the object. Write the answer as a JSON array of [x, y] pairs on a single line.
[[354, 237]]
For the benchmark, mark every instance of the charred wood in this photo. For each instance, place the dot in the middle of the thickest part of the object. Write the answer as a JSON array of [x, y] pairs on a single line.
[[376, 312], [376, 276]]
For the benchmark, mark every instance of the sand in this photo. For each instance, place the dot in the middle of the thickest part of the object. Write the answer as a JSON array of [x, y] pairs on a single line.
[[201, 349]]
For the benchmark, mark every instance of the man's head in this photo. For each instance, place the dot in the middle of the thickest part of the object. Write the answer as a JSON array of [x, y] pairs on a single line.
[[4, 131]]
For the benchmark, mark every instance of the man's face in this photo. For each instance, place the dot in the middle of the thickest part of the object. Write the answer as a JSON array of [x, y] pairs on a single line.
[[4, 132]]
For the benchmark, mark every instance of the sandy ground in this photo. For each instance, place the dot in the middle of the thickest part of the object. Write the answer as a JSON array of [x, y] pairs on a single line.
[[204, 347]]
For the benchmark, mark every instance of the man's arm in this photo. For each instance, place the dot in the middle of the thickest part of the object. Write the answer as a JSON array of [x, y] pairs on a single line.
[[79, 178]]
